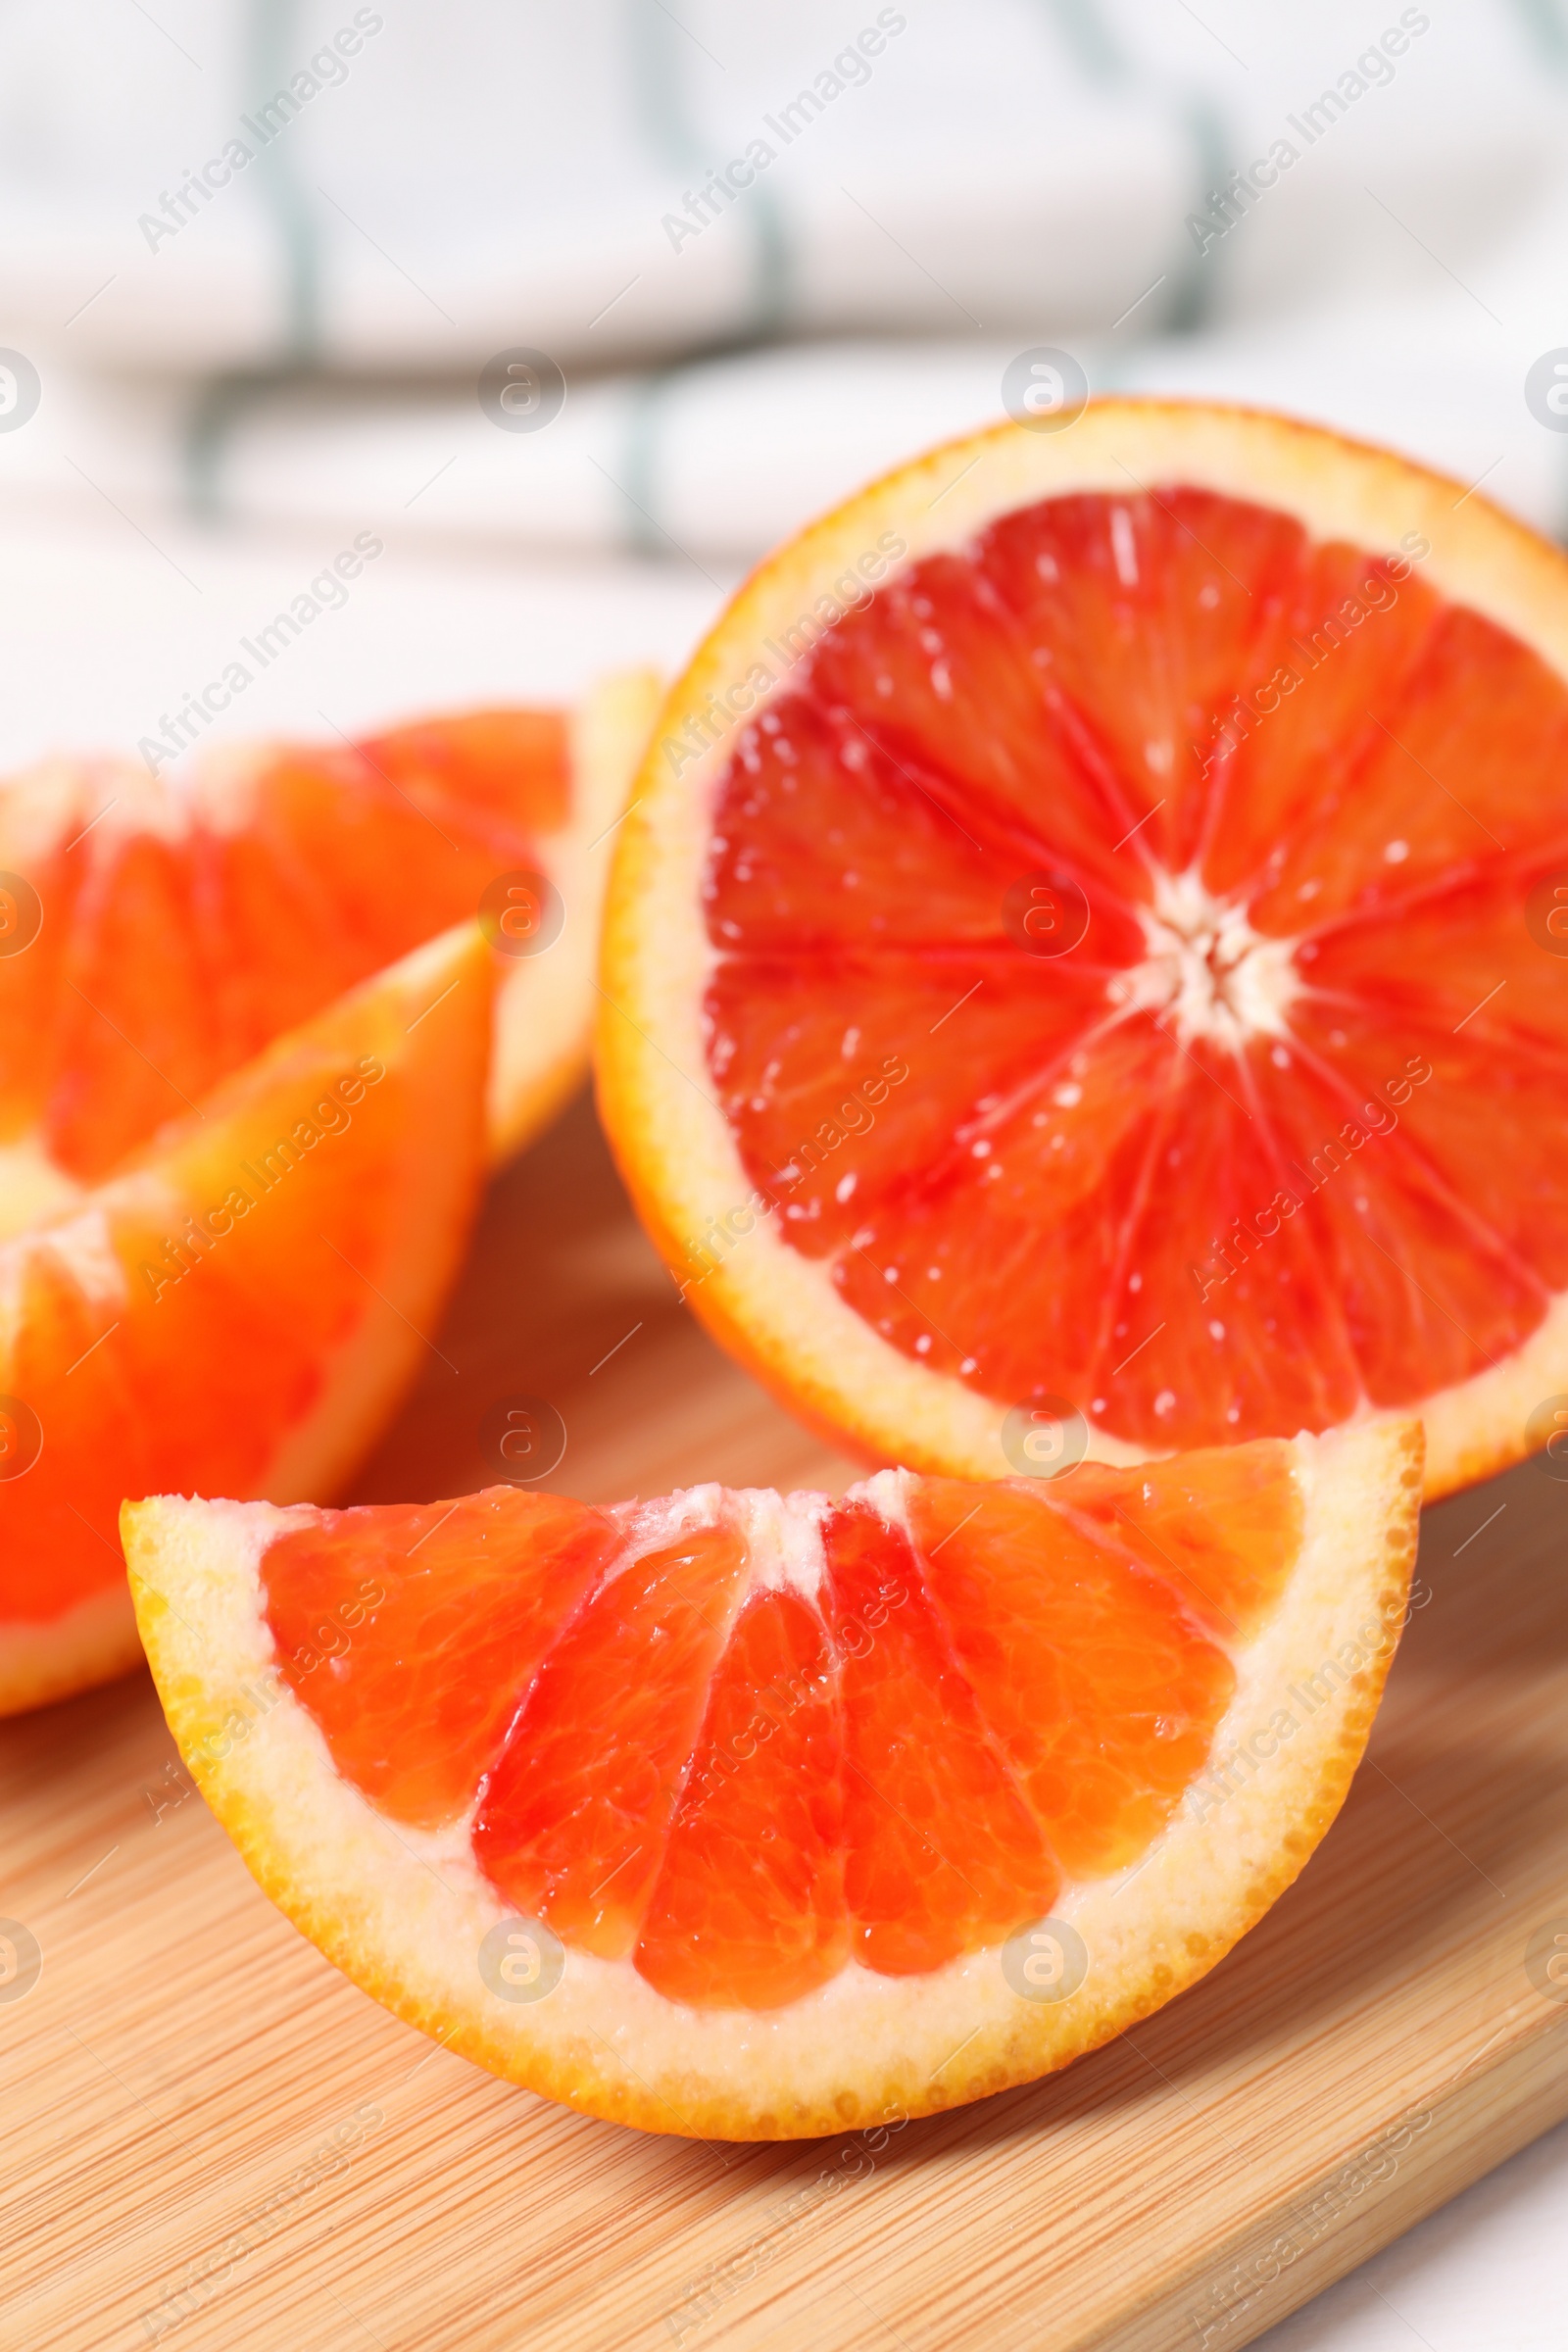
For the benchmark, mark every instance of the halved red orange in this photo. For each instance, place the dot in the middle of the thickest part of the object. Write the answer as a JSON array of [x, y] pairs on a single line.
[[751, 1814], [157, 931], [241, 1305], [1089, 948]]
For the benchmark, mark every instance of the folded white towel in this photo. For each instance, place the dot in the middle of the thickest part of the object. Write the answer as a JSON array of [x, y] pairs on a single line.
[[1357, 215]]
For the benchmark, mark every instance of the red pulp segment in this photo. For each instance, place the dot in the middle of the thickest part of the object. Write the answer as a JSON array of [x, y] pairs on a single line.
[[183, 927], [1279, 1131], [674, 1747]]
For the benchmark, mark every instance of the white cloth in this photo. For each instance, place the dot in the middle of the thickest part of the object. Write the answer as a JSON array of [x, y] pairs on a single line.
[[713, 464], [496, 175], [996, 174]]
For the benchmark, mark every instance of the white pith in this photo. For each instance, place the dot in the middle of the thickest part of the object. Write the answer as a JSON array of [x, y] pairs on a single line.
[[782, 1533], [544, 1005], [782, 1311], [1208, 967], [405, 1915]]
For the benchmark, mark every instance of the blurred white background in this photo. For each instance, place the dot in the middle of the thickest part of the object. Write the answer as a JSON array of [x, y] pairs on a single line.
[[255, 257], [258, 252]]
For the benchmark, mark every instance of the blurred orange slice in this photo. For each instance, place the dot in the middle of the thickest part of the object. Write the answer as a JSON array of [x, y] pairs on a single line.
[[240, 1306], [156, 932], [759, 1815], [1091, 949]]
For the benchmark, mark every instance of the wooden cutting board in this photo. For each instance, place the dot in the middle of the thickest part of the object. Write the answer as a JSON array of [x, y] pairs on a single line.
[[209, 2137]]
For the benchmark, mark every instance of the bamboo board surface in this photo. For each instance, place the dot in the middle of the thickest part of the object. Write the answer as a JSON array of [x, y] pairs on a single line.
[[211, 2138]]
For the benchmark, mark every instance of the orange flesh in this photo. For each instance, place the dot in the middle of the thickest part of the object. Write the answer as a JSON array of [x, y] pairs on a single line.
[[750, 1896], [572, 1827], [395, 1614], [943, 1855], [176, 1330], [1059, 1636], [1023, 1174], [741, 1784], [163, 962]]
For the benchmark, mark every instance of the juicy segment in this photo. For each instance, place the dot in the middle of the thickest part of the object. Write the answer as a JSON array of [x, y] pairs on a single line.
[[235, 1310], [204, 919], [742, 1762], [1277, 1139], [456, 1629], [573, 1832]]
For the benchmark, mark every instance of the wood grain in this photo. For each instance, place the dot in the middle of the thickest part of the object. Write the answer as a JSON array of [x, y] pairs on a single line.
[[211, 2138]]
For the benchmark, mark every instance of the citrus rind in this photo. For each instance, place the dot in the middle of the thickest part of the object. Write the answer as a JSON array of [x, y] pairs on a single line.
[[404, 1913]]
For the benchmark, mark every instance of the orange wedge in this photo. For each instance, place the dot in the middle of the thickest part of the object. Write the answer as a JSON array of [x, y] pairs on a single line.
[[241, 1306], [760, 1815], [1088, 953], [156, 931]]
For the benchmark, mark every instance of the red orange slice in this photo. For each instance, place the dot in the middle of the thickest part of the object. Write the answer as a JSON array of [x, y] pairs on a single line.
[[753, 1814], [156, 932], [241, 1305], [1085, 954]]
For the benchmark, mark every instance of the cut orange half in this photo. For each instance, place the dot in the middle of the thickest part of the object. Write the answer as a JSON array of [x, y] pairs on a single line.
[[156, 931], [759, 1815], [241, 1306], [1088, 964]]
